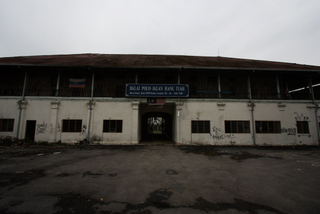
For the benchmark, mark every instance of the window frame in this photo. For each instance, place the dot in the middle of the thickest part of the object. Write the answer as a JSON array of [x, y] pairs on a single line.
[[117, 127], [202, 127], [267, 125], [76, 128], [301, 126], [6, 125], [236, 123]]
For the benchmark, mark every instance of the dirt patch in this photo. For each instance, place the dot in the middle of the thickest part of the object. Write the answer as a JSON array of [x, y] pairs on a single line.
[[201, 150], [214, 151], [239, 205], [76, 203], [244, 155], [17, 179], [64, 175], [171, 172], [90, 173], [128, 148]]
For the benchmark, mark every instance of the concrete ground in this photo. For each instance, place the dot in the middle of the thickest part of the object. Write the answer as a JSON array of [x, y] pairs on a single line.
[[159, 179]]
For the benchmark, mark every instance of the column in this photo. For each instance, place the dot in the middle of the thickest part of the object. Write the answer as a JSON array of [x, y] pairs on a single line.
[[22, 106], [135, 123], [54, 127], [178, 128]]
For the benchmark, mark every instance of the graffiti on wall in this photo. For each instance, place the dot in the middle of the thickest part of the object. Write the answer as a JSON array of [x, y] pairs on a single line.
[[41, 128], [84, 128], [53, 129], [289, 131], [58, 128], [216, 134], [301, 117]]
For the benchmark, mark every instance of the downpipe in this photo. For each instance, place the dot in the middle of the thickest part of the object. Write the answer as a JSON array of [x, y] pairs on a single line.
[[90, 107], [253, 124], [20, 102], [317, 121], [19, 119]]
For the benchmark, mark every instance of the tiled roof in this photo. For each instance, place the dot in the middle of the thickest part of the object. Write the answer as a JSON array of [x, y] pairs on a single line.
[[154, 61]]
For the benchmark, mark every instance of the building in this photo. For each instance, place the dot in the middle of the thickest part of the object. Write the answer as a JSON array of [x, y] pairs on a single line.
[[128, 99]]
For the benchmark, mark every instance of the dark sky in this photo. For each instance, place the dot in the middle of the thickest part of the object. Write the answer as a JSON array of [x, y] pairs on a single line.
[[276, 30]]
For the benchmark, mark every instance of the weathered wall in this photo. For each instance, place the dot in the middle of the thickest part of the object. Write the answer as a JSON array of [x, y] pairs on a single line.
[[287, 113], [49, 113]]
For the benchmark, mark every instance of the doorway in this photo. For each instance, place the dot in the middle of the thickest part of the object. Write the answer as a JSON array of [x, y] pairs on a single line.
[[156, 126], [30, 129]]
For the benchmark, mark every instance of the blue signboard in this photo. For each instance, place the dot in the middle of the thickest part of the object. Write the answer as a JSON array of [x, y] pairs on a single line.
[[157, 90]]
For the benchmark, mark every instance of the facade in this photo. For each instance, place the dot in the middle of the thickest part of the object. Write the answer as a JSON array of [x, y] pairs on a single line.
[[129, 99]]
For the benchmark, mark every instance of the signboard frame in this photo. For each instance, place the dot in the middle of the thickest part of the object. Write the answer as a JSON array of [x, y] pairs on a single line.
[[157, 90]]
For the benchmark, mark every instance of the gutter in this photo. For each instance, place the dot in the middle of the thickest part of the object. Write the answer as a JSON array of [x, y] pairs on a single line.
[[252, 110], [317, 108], [163, 67]]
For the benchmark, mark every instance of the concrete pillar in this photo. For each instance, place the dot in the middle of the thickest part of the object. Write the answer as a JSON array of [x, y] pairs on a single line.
[[22, 105], [178, 116], [53, 122], [135, 123]]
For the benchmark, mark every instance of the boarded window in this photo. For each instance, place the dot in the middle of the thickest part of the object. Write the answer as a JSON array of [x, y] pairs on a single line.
[[198, 126], [303, 127], [112, 125], [71, 125], [267, 127], [237, 126], [6, 125]]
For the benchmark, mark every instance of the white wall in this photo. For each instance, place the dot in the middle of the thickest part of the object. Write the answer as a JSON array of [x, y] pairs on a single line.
[[43, 111], [112, 111], [287, 114]]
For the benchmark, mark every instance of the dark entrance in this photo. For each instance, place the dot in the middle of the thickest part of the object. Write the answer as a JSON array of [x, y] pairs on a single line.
[[30, 129], [156, 126]]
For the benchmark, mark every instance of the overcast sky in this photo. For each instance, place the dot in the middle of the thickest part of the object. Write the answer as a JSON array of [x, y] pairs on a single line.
[[277, 30]]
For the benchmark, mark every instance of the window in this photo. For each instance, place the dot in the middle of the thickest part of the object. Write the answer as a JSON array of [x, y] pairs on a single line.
[[268, 127], [237, 126], [6, 125], [71, 125], [303, 127], [112, 126], [199, 126]]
